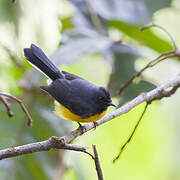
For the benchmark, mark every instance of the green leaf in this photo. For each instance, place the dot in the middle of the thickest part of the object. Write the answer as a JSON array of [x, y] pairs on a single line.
[[146, 38], [66, 23], [30, 167], [10, 12]]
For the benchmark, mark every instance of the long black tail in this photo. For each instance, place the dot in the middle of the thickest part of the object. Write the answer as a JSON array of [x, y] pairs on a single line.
[[37, 57]]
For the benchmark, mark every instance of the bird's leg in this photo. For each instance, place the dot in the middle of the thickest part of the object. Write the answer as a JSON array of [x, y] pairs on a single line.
[[81, 127], [95, 124], [79, 124]]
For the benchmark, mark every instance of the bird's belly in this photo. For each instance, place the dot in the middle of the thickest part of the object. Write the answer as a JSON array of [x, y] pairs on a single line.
[[67, 114]]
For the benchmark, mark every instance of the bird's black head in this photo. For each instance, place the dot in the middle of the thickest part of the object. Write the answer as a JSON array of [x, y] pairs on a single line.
[[104, 99]]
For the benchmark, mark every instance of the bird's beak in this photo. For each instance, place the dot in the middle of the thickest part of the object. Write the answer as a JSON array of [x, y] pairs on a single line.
[[111, 104]]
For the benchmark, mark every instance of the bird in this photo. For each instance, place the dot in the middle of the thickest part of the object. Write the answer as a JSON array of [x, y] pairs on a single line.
[[76, 98]]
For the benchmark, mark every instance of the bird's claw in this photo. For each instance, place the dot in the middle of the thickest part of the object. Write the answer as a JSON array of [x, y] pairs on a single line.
[[83, 130], [95, 124]]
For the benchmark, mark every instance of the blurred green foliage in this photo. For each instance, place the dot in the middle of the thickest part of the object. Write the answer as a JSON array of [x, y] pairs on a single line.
[[102, 42], [10, 12]]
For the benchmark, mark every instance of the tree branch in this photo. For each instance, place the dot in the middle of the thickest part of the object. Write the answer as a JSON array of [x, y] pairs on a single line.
[[169, 54], [7, 105], [166, 55], [157, 93], [131, 135], [97, 164], [15, 59], [52, 143], [3, 94], [165, 90]]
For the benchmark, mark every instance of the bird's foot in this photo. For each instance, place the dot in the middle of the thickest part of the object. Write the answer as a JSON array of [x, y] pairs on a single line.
[[95, 124], [83, 130]]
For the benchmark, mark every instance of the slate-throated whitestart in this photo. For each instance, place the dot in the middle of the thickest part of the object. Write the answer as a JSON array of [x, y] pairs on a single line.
[[78, 100]]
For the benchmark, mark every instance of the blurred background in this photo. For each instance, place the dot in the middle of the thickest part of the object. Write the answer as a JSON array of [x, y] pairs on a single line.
[[100, 41]]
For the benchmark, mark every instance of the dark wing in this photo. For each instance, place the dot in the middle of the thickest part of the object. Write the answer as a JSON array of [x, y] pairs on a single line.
[[68, 94], [70, 76], [59, 90]]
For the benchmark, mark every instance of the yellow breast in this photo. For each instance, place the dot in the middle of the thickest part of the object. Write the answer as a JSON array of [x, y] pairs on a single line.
[[67, 114]]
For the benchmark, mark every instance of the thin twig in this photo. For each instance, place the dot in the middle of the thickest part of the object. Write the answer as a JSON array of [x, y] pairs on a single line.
[[94, 18], [13, 57], [163, 56], [7, 105], [58, 141], [97, 164], [131, 135], [29, 123], [153, 63], [163, 29], [165, 90], [166, 55]]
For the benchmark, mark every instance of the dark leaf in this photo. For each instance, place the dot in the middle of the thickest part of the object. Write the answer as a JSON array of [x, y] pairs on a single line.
[[146, 38], [124, 59], [132, 11], [86, 18], [136, 12]]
